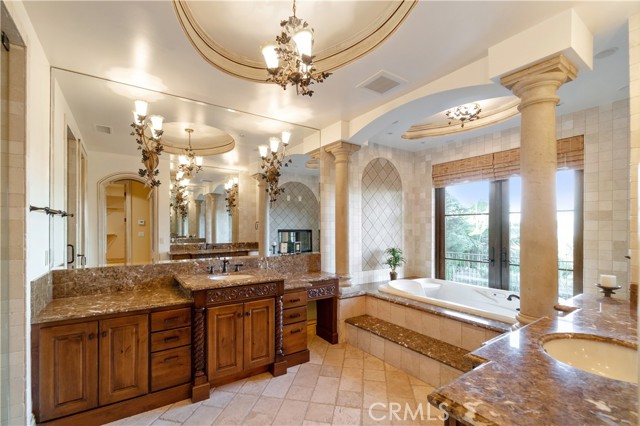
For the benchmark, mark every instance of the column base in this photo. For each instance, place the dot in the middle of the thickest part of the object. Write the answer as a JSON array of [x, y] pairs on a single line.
[[525, 319], [344, 280]]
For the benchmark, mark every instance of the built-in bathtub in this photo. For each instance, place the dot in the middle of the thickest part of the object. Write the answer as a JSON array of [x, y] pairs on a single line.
[[485, 302]]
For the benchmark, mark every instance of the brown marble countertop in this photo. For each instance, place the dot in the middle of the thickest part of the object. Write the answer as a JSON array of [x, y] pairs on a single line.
[[198, 282], [110, 303], [519, 384], [86, 306]]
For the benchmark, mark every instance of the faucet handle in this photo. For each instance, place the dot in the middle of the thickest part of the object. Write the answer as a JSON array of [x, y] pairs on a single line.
[[210, 269], [237, 266]]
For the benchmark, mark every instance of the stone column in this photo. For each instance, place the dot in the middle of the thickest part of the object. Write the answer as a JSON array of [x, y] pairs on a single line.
[[263, 216], [341, 152], [536, 86], [210, 218]]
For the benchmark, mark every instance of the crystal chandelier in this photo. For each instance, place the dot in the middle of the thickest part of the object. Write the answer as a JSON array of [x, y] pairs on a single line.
[[148, 143], [179, 203], [464, 113], [189, 163], [273, 159], [289, 59], [231, 194]]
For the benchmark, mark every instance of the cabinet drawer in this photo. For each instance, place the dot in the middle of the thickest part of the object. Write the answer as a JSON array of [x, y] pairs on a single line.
[[163, 340], [291, 300], [289, 316], [167, 320], [170, 368], [295, 337]]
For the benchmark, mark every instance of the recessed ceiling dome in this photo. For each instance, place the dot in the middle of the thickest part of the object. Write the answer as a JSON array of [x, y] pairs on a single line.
[[493, 110], [205, 140], [228, 34]]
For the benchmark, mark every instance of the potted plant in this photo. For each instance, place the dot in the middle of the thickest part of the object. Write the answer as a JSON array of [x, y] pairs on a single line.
[[394, 260]]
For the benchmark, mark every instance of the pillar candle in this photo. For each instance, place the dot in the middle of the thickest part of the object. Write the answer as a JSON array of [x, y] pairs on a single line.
[[608, 281]]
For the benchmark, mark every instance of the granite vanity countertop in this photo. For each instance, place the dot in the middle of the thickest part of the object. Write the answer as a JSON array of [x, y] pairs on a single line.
[[110, 303], [198, 282], [519, 384]]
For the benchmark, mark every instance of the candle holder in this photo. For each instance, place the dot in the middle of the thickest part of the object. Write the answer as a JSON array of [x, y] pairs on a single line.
[[608, 291]]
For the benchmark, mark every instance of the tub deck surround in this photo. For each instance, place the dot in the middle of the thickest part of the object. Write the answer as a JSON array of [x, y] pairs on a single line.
[[371, 289], [519, 384], [438, 350]]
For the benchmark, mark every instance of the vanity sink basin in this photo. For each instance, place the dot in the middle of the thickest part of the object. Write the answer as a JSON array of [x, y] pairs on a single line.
[[229, 277], [605, 358]]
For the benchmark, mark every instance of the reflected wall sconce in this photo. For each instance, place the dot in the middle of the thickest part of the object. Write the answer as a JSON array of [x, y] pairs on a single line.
[[179, 202], [231, 194], [148, 142], [273, 159]]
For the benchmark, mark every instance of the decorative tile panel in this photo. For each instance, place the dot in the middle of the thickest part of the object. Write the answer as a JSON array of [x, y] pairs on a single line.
[[381, 212], [296, 208]]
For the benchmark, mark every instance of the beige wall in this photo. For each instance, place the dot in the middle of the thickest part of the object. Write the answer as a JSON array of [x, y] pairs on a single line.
[[140, 234]]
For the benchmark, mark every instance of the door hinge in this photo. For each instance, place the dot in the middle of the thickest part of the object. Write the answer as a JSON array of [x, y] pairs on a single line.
[[5, 41]]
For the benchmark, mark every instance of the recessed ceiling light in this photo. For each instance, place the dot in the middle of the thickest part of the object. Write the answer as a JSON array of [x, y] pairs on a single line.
[[606, 53]]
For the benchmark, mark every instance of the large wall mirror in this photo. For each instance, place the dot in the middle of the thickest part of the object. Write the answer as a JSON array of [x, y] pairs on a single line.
[[216, 205]]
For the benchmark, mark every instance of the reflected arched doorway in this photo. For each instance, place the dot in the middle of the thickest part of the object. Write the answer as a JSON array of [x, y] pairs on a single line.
[[126, 221]]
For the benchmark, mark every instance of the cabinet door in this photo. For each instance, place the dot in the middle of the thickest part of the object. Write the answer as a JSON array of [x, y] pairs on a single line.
[[68, 376], [224, 344], [124, 358], [259, 333]]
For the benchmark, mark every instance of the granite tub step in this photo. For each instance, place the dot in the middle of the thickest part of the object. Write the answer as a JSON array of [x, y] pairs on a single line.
[[432, 360]]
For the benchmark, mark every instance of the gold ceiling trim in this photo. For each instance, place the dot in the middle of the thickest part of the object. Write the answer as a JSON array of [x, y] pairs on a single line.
[[443, 127], [222, 145], [326, 60]]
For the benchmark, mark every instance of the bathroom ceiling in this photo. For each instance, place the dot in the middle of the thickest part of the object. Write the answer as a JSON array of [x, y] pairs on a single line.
[[142, 43]]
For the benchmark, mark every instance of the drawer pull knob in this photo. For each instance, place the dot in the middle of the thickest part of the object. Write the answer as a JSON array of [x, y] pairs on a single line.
[[171, 339], [92, 336], [296, 315], [298, 330], [171, 358], [294, 300], [248, 313], [171, 319], [239, 315], [104, 334]]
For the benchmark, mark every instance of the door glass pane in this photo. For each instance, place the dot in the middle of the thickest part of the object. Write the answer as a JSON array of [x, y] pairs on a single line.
[[565, 198], [467, 233], [515, 203]]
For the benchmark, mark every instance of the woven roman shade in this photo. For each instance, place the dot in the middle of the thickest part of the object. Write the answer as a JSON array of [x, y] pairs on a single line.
[[503, 165]]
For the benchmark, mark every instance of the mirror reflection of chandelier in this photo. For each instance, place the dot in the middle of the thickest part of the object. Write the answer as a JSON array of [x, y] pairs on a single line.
[[231, 194], [149, 144], [189, 163], [179, 202], [289, 59], [464, 113], [273, 159]]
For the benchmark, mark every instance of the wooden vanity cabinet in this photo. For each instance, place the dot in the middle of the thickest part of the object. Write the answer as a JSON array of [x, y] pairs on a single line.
[[241, 337], [85, 365], [294, 314]]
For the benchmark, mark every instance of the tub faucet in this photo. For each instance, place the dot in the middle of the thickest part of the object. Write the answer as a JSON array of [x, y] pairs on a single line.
[[511, 296]]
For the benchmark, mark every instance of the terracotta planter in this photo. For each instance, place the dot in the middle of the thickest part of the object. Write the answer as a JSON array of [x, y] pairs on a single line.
[[394, 275]]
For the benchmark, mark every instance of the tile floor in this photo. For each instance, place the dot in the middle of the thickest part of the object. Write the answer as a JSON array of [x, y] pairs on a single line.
[[340, 385]]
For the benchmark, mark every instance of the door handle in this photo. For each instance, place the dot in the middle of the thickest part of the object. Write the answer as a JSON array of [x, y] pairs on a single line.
[[73, 254], [248, 313], [492, 255]]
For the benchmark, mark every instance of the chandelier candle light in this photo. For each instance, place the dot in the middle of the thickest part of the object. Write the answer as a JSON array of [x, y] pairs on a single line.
[[464, 113], [289, 59], [231, 191], [148, 143], [272, 163], [190, 163]]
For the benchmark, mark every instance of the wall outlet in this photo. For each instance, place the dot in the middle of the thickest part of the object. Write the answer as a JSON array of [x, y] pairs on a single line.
[[141, 234], [141, 222]]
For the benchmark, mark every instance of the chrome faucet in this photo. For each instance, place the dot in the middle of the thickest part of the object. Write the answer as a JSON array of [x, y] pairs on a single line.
[[511, 296]]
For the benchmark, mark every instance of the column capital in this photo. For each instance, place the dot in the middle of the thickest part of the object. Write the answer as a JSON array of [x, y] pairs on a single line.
[[341, 150], [260, 178], [556, 64]]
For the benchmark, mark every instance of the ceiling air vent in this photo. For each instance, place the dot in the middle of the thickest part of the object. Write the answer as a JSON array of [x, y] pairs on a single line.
[[382, 82], [103, 129]]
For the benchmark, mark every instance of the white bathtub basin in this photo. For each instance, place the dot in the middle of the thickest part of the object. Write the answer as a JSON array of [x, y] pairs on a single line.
[[230, 277], [604, 358]]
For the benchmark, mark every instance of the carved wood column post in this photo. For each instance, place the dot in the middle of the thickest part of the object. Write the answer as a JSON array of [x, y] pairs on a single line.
[[536, 86], [341, 152], [200, 382]]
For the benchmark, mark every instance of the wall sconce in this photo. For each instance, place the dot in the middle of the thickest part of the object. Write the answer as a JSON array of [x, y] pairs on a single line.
[[148, 143]]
